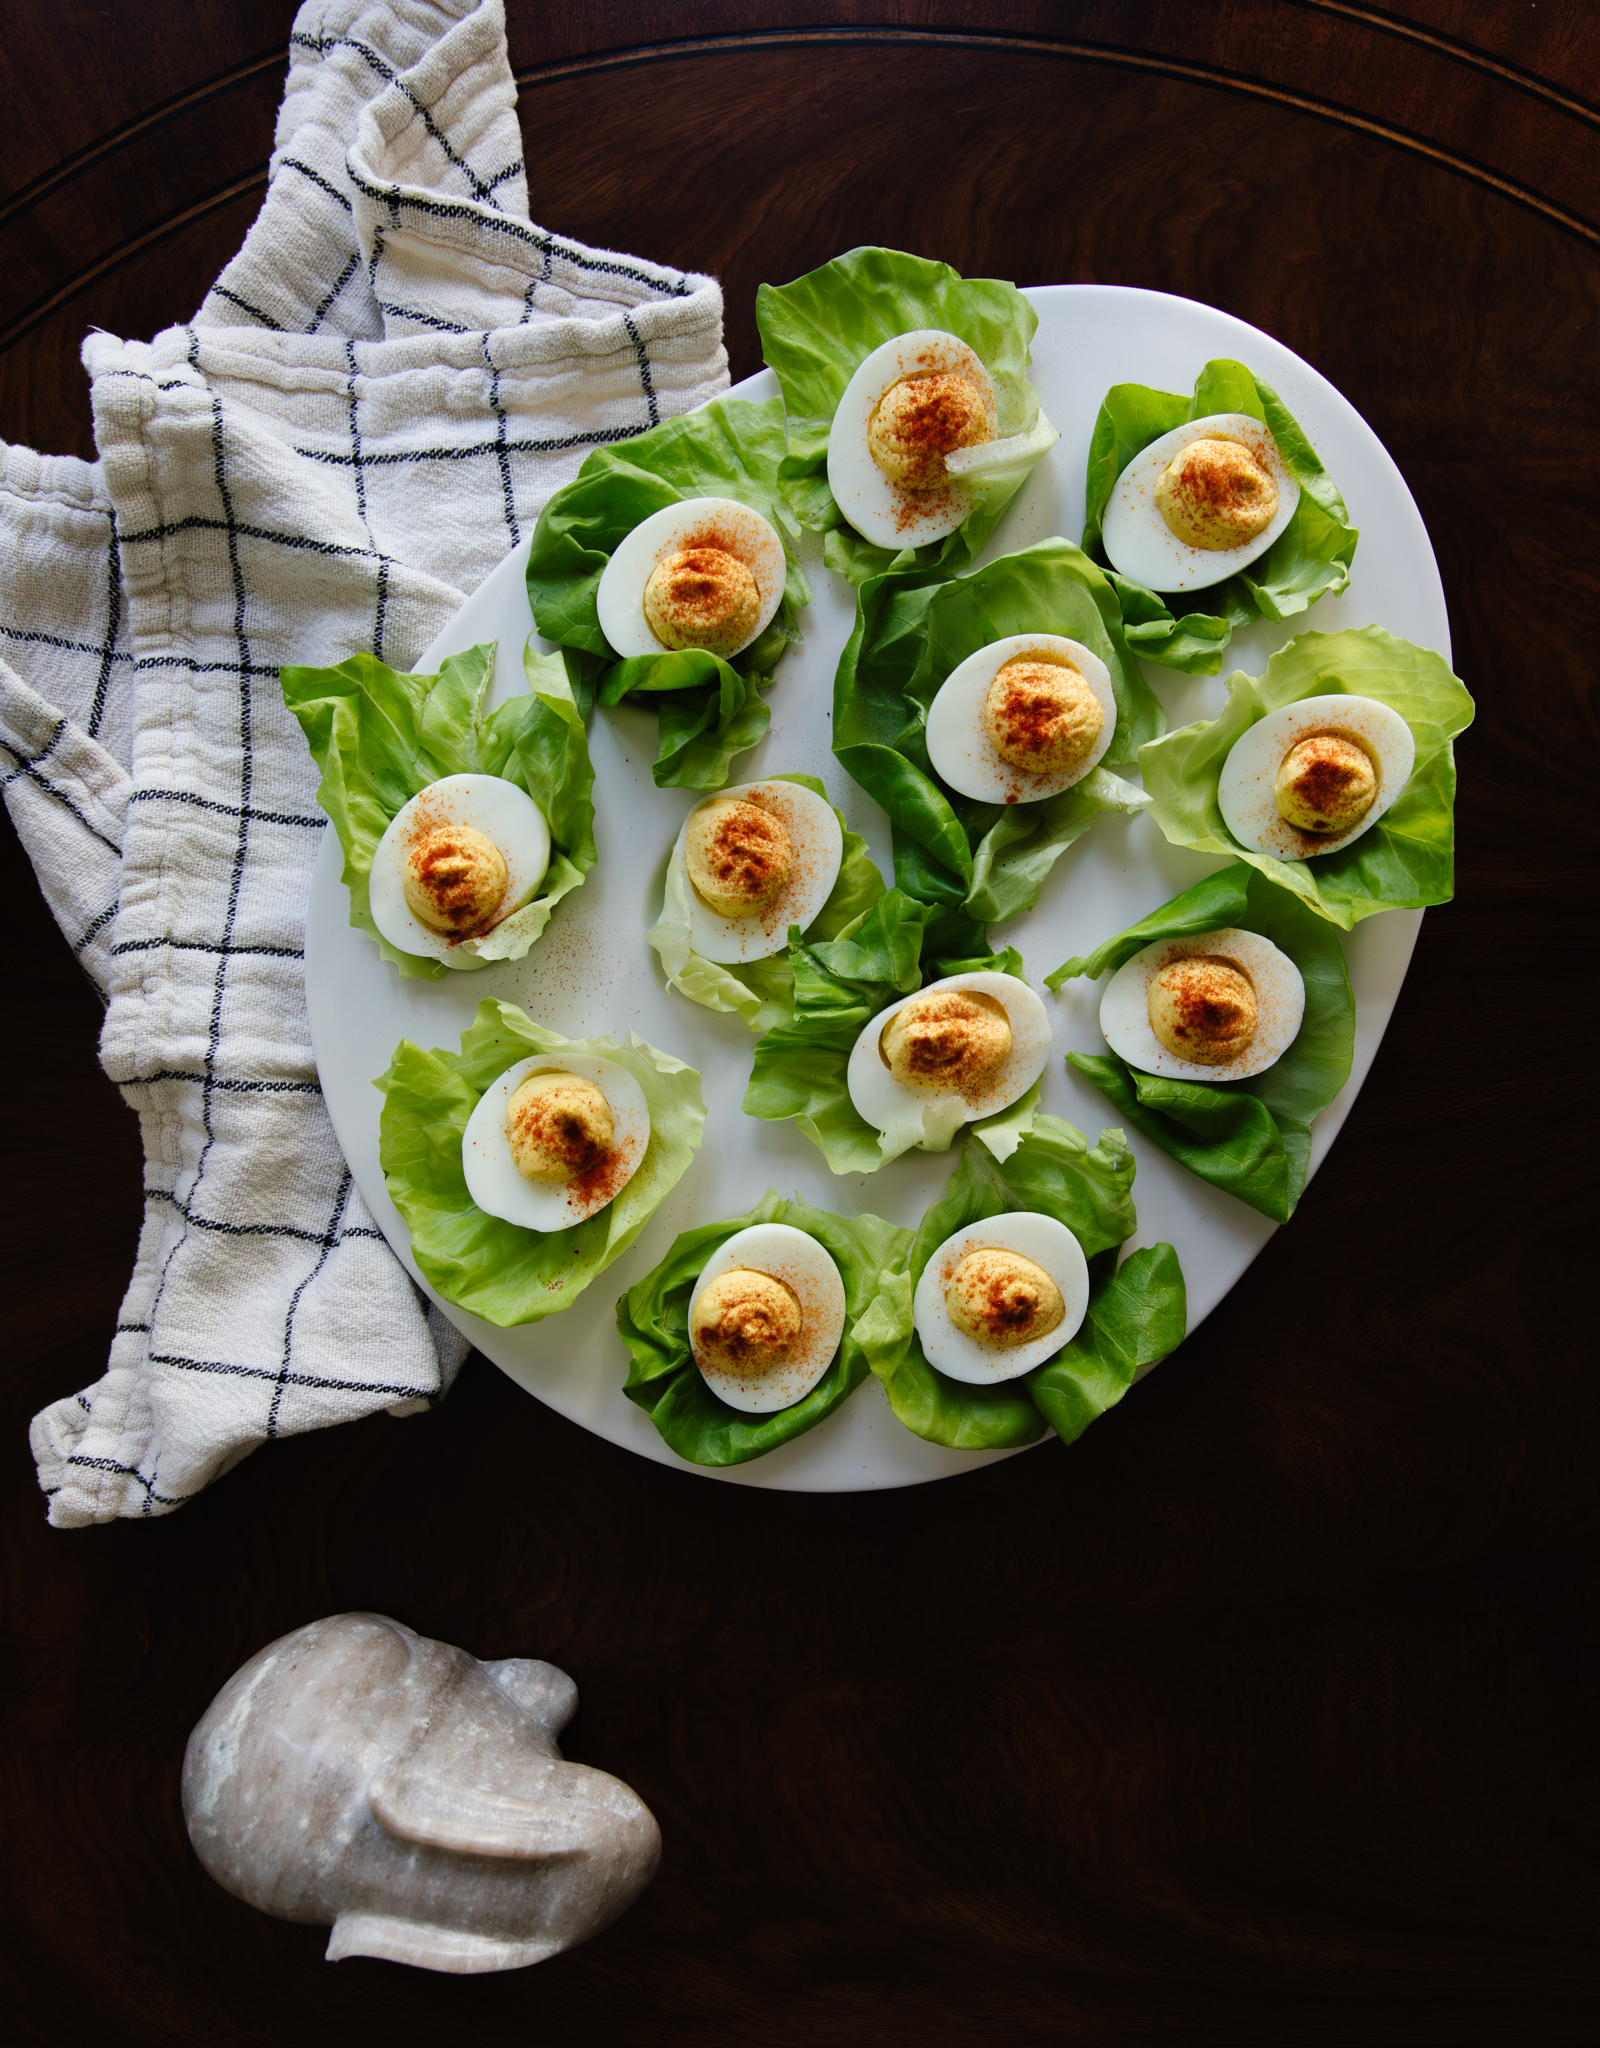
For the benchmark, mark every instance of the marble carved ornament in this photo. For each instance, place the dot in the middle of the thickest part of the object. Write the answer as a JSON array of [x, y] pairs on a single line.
[[358, 1774]]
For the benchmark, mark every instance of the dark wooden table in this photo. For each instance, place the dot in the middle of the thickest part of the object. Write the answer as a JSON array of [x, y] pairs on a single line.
[[1254, 1718]]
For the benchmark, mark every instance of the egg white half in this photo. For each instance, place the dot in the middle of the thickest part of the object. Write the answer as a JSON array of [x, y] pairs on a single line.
[[1280, 1005], [958, 740], [492, 1178], [1041, 1238], [693, 522], [936, 1115], [808, 1271], [1245, 790], [817, 841], [1139, 541], [879, 510], [491, 805]]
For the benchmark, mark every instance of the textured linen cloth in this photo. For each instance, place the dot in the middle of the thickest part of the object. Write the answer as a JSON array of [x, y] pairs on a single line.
[[376, 398]]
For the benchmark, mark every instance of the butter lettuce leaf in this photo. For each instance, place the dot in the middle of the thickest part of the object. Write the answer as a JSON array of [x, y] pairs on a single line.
[[800, 1069], [380, 736], [990, 858], [762, 991], [1250, 1138], [1407, 859], [653, 1321], [1310, 558], [708, 709], [1135, 1318], [501, 1271], [817, 331], [1136, 1315]]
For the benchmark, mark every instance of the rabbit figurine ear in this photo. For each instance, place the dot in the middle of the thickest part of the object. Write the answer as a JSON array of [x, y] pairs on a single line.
[[544, 1693], [427, 1947], [437, 1813]]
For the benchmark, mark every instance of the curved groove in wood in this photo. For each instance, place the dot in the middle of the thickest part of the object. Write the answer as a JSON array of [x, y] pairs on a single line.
[[1462, 53], [1371, 17], [1089, 53], [1093, 53], [130, 131], [41, 309]]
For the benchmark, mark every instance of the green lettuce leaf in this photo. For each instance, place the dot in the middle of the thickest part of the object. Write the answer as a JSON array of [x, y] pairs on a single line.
[[761, 992], [708, 709], [1404, 861], [990, 858], [1250, 1138], [501, 1271], [1135, 1315], [380, 736], [1135, 1318], [800, 1069], [653, 1319], [1311, 557], [818, 330]]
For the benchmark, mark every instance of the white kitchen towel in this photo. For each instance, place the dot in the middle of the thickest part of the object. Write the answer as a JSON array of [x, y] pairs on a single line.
[[376, 398]]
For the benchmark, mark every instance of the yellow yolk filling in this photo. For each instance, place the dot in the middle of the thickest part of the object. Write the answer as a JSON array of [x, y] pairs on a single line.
[[559, 1128], [1325, 784], [453, 878], [1001, 1300], [747, 1322], [738, 856], [920, 420], [948, 1039], [1203, 1009], [702, 597], [1214, 494], [1041, 715]]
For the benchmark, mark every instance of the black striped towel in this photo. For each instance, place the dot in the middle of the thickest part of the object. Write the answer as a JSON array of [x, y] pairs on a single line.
[[377, 396]]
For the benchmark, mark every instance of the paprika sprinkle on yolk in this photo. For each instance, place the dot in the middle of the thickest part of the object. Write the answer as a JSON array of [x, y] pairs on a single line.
[[1042, 715], [922, 419], [1215, 495], [1001, 1299], [453, 879], [1204, 1009], [559, 1127], [739, 856], [702, 596], [946, 1039], [1325, 784]]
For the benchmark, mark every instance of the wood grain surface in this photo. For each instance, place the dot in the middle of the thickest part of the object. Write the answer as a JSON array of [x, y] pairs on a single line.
[[1256, 1716]]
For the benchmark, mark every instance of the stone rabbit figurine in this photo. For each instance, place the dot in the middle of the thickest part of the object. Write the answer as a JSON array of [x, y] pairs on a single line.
[[358, 1774]]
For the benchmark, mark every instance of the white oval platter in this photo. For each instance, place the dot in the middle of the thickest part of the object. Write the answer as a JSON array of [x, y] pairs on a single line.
[[593, 973]]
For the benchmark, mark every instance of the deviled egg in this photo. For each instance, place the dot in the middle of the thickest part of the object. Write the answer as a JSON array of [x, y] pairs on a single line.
[[1212, 1006], [911, 403], [1000, 1297], [456, 863], [959, 1049], [1022, 719], [1199, 503], [706, 572], [756, 859], [553, 1139], [1313, 775], [766, 1317]]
